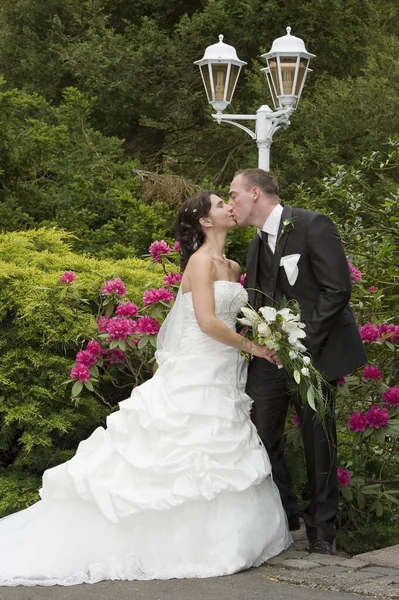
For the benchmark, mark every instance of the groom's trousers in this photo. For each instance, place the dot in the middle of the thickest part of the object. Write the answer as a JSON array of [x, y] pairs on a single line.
[[269, 388]]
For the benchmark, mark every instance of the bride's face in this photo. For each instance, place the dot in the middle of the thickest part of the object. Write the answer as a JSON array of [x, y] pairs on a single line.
[[219, 215]]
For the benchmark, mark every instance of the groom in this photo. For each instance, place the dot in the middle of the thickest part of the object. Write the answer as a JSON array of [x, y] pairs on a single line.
[[297, 254]]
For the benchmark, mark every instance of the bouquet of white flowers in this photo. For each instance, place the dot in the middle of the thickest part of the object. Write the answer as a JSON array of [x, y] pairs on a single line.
[[281, 330]]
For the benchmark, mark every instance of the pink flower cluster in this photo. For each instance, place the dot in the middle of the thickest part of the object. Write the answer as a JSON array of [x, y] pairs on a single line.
[[344, 476], [162, 294], [148, 325], [114, 286], [102, 324], [296, 421], [67, 277], [355, 273], [81, 372], [176, 246], [119, 328], [129, 309], [86, 359], [242, 278], [115, 356], [371, 372], [172, 279], [369, 333], [391, 396], [372, 289], [157, 249], [375, 417], [390, 332]]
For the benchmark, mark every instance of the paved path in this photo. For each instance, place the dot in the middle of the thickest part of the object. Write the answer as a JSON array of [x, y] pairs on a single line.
[[251, 585], [293, 575]]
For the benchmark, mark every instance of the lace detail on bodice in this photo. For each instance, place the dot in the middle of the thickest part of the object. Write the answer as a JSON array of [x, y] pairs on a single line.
[[230, 296]]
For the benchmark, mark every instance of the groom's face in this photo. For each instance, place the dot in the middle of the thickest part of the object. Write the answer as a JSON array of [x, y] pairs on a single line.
[[241, 201]]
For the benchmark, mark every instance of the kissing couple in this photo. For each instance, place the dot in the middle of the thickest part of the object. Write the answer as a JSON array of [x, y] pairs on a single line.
[[188, 479]]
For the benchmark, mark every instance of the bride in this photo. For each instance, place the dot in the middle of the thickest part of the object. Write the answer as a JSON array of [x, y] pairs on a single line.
[[179, 484]]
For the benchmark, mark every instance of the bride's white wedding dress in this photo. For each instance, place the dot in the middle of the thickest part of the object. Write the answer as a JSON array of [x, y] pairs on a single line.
[[178, 485]]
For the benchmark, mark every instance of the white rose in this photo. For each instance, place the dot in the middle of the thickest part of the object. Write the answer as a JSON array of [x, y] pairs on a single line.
[[306, 360], [305, 371], [264, 330], [268, 313]]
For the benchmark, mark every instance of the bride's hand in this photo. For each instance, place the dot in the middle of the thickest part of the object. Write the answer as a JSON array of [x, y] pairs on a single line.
[[263, 352]]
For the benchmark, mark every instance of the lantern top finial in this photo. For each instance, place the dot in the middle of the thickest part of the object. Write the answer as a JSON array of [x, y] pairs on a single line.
[[288, 44], [221, 52]]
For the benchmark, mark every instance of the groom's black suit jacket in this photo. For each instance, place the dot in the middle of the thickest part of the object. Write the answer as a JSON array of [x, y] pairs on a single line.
[[322, 289]]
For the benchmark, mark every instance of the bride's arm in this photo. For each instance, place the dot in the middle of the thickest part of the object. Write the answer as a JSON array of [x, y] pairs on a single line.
[[201, 273]]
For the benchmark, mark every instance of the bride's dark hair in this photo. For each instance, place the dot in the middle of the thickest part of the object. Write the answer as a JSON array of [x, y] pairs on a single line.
[[188, 228]]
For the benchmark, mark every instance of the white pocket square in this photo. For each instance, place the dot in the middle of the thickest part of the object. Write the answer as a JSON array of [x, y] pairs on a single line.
[[290, 264]]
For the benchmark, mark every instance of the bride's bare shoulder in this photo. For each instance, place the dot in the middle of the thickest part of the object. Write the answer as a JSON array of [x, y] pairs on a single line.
[[235, 268]]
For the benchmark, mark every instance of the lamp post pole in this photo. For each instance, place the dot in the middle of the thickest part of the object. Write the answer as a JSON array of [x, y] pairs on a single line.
[[286, 70]]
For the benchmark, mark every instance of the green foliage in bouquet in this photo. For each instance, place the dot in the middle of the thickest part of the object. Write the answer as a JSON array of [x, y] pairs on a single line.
[[44, 323]]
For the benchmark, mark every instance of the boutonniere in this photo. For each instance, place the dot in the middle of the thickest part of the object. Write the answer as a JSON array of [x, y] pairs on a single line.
[[288, 225]]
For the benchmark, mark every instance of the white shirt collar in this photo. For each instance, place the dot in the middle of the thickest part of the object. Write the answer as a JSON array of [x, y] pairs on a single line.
[[272, 222]]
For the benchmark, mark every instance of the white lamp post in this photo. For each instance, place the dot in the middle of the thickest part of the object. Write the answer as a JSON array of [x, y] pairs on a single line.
[[287, 67]]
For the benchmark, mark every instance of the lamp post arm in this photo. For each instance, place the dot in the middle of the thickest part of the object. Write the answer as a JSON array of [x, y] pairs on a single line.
[[229, 119], [267, 122]]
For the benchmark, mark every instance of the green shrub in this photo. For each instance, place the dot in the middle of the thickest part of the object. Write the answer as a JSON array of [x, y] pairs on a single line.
[[40, 335]]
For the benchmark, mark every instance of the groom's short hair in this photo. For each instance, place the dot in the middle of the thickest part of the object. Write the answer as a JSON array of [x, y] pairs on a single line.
[[261, 179]]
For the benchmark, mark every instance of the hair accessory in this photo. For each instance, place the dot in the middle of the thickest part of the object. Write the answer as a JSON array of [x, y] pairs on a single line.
[[186, 209], [194, 210]]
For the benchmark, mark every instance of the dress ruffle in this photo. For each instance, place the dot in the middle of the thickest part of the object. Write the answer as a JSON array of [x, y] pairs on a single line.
[[177, 485]]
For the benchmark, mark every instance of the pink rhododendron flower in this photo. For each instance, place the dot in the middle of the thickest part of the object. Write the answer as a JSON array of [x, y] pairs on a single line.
[[377, 417], [94, 348], [344, 476], [369, 333], [387, 330], [148, 325], [157, 249], [80, 372], [371, 372], [67, 277], [102, 324], [172, 279], [114, 286], [391, 396], [355, 273], [151, 296], [242, 278], [341, 380], [120, 328], [84, 357], [357, 422], [372, 289], [296, 420], [127, 310], [396, 334], [176, 246], [115, 356]]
